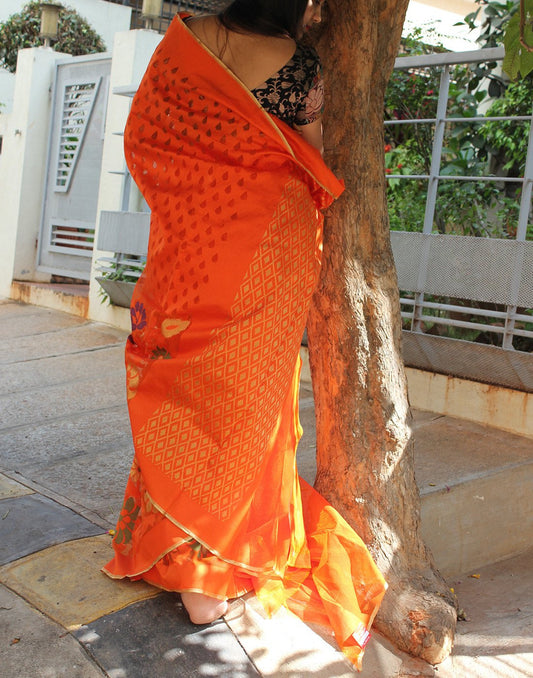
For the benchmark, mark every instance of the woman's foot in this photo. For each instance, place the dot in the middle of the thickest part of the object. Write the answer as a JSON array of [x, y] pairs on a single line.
[[203, 609]]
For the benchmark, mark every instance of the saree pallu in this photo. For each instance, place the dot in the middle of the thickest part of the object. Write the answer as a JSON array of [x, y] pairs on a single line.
[[213, 501]]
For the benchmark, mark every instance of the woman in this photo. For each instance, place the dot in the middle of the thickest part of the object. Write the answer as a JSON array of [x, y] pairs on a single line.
[[224, 140]]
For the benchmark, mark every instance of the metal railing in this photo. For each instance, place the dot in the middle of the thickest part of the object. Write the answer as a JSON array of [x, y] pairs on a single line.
[[482, 286]]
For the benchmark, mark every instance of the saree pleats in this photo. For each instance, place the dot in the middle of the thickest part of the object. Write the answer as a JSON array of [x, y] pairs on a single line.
[[213, 502]]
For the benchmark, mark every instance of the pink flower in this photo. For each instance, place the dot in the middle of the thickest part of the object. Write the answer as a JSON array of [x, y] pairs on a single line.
[[315, 101]]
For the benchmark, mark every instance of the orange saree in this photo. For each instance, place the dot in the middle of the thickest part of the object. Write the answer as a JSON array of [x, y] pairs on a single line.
[[213, 502]]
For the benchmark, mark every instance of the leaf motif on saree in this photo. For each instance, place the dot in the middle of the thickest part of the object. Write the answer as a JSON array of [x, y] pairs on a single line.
[[138, 316], [172, 326], [198, 551], [160, 352], [132, 380], [135, 472], [126, 522]]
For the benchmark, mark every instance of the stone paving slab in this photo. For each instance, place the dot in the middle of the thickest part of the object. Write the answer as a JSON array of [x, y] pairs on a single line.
[[64, 370], [65, 582], [61, 342], [293, 648], [32, 522], [306, 456], [155, 638], [33, 406], [296, 649], [105, 472], [489, 449], [65, 501], [36, 321], [69, 454], [497, 639], [32, 646], [16, 310], [423, 418], [306, 453], [26, 447], [10, 488]]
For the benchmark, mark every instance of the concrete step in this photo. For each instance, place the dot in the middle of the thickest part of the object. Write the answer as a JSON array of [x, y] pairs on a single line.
[[476, 485], [58, 296], [476, 488]]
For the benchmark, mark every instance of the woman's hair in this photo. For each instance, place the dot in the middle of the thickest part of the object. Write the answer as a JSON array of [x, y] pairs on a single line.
[[266, 17]]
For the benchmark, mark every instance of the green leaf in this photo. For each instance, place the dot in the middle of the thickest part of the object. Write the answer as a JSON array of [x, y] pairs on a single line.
[[526, 63], [511, 62]]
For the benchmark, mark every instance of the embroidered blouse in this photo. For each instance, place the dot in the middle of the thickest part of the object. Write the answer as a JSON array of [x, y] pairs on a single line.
[[295, 94]]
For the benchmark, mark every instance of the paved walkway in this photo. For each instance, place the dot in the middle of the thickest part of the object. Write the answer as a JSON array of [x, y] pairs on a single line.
[[65, 450]]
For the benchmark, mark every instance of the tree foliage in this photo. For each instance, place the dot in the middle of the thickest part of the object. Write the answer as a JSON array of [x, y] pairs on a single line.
[[75, 35], [509, 23], [507, 140], [496, 147], [495, 19], [462, 207]]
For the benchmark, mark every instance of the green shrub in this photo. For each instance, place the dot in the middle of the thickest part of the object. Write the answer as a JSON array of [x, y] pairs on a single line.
[[75, 35]]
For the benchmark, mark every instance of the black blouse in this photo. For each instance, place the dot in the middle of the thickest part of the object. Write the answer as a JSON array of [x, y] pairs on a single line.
[[295, 94]]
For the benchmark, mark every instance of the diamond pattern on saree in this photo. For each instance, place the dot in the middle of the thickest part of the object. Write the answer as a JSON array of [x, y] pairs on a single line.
[[210, 436]]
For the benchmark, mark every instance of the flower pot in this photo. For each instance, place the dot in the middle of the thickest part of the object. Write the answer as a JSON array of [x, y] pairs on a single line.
[[118, 291]]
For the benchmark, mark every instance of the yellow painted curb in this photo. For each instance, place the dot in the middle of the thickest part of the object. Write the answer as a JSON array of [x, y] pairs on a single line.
[[65, 582], [10, 488], [489, 405]]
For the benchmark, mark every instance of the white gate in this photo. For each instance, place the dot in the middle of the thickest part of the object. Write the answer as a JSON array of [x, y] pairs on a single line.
[[73, 169]]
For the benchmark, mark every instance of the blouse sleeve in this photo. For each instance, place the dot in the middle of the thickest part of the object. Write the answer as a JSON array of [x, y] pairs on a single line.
[[312, 105]]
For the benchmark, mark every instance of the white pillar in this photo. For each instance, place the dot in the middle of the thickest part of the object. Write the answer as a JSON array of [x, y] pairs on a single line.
[[7, 90], [23, 166], [132, 51]]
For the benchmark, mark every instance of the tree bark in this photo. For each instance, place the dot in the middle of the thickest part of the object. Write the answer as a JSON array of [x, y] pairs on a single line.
[[364, 448]]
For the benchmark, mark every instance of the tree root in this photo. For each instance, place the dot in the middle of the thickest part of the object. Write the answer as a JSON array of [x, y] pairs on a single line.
[[419, 616]]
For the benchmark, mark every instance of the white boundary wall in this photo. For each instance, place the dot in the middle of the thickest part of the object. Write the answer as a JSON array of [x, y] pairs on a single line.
[[437, 22], [25, 133], [131, 53], [7, 91], [23, 166]]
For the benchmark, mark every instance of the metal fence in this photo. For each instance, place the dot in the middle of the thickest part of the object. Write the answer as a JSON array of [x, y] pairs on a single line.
[[466, 301]]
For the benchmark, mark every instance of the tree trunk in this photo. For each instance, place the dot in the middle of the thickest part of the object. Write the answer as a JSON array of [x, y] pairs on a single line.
[[364, 448]]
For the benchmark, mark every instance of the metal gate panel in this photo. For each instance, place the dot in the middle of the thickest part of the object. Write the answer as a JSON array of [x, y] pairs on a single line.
[[74, 163], [78, 103]]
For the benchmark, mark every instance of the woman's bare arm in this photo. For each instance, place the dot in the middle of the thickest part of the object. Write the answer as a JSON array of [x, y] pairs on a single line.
[[312, 133]]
